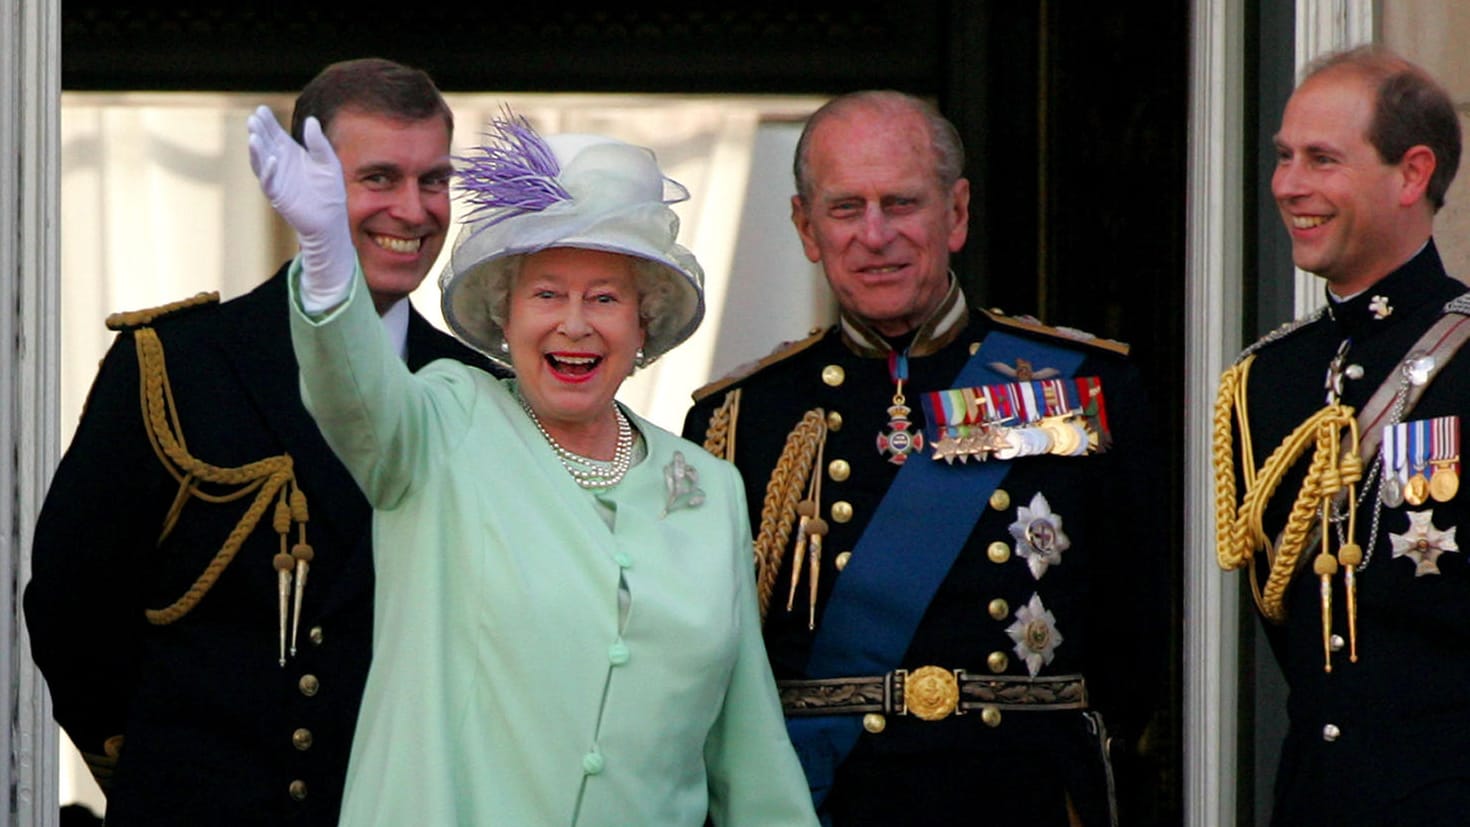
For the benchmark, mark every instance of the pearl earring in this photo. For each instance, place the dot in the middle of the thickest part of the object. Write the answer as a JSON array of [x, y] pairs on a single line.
[[504, 346]]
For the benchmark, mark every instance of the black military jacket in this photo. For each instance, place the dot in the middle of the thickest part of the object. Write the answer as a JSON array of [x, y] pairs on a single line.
[[1367, 737], [1108, 593], [215, 731]]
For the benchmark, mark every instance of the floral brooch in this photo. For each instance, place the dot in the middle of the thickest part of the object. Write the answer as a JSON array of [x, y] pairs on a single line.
[[681, 482]]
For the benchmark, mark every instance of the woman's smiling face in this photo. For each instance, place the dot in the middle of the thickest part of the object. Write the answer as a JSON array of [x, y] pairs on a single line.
[[574, 331]]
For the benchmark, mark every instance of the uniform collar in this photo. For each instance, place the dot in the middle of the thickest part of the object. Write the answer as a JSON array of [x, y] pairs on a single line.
[[1394, 297], [944, 323]]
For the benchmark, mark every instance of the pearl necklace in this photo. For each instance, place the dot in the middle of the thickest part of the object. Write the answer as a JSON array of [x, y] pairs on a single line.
[[587, 472]]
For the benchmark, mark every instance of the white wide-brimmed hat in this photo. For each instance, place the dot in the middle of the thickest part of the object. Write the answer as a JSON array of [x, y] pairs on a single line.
[[530, 193]]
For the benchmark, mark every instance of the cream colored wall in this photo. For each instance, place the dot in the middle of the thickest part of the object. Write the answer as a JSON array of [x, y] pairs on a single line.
[[1433, 34]]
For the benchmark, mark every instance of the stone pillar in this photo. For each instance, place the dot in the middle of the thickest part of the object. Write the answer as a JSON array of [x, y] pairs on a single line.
[[1433, 34]]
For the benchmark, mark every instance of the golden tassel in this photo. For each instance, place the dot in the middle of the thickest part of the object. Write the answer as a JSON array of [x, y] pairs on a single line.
[[1325, 566], [302, 554], [284, 563], [816, 572], [806, 509], [1351, 556]]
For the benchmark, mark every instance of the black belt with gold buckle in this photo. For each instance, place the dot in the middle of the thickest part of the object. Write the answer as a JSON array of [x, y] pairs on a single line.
[[931, 693]]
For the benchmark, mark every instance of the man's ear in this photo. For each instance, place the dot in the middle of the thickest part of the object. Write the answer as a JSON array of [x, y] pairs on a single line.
[[1416, 168], [803, 223], [959, 205]]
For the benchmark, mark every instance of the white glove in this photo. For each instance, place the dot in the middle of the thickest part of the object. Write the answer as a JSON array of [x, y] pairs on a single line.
[[305, 187]]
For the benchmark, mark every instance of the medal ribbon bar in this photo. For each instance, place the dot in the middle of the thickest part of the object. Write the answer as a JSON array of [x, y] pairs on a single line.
[[1066, 417], [1415, 455]]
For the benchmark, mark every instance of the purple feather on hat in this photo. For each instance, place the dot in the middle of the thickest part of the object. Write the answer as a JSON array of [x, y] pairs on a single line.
[[513, 173]]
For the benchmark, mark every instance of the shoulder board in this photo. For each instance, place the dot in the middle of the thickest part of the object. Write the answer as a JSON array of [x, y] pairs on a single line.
[[141, 318], [1459, 304], [1281, 332], [783, 351], [1071, 334]]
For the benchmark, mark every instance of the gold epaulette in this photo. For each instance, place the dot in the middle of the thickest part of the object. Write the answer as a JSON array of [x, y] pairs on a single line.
[[125, 319], [1071, 334], [782, 351]]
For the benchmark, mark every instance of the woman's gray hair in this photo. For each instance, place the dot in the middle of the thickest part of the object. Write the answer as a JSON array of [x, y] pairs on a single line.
[[658, 293]]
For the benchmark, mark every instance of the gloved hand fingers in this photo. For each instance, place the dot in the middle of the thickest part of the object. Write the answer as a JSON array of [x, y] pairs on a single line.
[[304, 186], [264, 166], [257, 155], [323, 167], [318, 148], [258, 150], [272, 158]]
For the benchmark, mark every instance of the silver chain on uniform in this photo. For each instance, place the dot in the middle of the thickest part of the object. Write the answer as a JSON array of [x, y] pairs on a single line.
[[1371, 482]]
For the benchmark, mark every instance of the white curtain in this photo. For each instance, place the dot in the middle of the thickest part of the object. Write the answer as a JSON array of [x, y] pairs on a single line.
[[158, 203]]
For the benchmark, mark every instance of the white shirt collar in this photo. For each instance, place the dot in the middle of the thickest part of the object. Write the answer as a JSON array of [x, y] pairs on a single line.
[[395, 323]]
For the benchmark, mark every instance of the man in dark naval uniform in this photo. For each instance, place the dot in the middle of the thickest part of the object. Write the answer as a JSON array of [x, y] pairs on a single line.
[[1338, 458], [953, 510], [201, 603]]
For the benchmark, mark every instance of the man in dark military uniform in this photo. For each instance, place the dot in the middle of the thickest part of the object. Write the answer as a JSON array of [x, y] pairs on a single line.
[[1371, 626], [201, 602], [952, 510]]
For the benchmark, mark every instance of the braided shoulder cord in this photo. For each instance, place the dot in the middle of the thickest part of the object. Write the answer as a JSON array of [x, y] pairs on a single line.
[[784, 490], [270, 478], [1240, 532], [1228, 546], [1230, 534], [1325, 477], [719, 437]]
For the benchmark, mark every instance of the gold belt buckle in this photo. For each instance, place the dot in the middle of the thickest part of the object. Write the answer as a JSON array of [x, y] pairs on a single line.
[[930, 693]]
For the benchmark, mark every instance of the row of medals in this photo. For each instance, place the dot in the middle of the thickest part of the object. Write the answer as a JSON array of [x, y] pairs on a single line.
[[1441, 485], [1063, 435]]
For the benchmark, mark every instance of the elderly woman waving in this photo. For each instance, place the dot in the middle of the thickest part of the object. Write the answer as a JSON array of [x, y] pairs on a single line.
[[565, 630]]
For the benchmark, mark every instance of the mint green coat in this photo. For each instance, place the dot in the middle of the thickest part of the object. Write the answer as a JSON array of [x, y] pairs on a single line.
[[507, 686]]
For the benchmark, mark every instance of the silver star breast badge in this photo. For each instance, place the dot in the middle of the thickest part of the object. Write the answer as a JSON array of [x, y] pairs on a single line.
[[1040, 540], [1423, 543], [1035, 633]]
